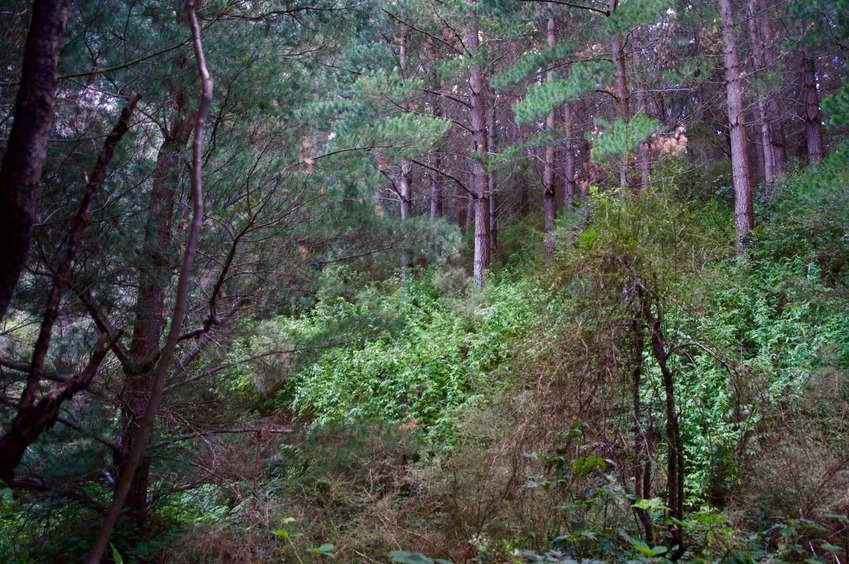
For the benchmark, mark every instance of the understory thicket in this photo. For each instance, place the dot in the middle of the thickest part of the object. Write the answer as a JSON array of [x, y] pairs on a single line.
[[644, 396]]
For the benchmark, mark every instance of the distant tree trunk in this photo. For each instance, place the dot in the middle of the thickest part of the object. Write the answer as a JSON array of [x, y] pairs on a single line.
[[129, 472], [569, 186], [813, 114], [154, 278], [435, 178], [405, 182], [743, 215], [406, 179], [26, 149], [460, 208], [548, 197], [772, 151], [774, 111], [623, 104], [492, 132], [643, 148], [480, 184]]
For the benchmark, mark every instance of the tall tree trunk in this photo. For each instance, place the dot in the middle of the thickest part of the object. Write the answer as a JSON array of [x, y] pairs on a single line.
[[479, 184], [163, 362], [774, 111], [150, 315], [764, 155], [26, 149], [492, 180], [772, 151], [406, 179], [642, 106], [548, 197], [813, 114], [617, 52], [35, 413], [743, 215], [675, 456], [435, 178], [569, 185], [405, 182]]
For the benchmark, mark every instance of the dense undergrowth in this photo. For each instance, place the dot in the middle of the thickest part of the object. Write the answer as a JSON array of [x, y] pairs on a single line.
[[532, 421]]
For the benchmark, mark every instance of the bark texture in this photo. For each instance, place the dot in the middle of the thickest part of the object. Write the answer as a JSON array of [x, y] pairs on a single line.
[[26, 150], [813, 114], [34, 414], [743, 215]]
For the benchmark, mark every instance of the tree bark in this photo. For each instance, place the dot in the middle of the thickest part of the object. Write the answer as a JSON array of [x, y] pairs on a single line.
[[26, 149], [145, 428], [772, 151], [154, 278], [548, 194], [675, 456], [479, 184], [570, 186], [743, 214], [813, 114], [617, 52], [33, 415]]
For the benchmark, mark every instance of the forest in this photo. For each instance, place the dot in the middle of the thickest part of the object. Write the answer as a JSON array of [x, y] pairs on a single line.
[[424, 281]]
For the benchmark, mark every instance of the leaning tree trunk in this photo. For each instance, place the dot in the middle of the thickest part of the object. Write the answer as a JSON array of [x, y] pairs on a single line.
[[743, 215], [26, 149]]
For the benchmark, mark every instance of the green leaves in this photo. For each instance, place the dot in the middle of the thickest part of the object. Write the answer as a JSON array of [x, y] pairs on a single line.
[[531, 63], [634, 13], [541, 99], [617, 138]]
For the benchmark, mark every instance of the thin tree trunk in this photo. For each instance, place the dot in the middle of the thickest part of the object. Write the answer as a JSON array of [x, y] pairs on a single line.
[[34, 414], [406, 179], [643, 148], [675, 456], [548, 197], [617, 52], [180, 302], [492, 180], [813, 114], [773, 111], [477, 103], [405, 182], [150, 316], [569, 186], [764, 155], [436, 196], [743, 214], [26, 149]]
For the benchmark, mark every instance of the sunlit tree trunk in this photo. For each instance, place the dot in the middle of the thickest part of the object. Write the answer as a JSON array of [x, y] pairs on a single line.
[[743, 215]]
